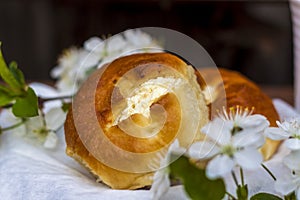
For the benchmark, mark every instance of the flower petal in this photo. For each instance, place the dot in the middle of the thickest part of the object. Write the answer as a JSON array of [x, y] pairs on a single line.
[[115, 43], [34, 123], [218, 130], [219, 166], [160, 185], [248, 158], [51, 140], [255, 122], [86, 61], [298, 193], [293, 144], [137, 38], [7, 118], [248, 138], [176, 148], [43, 90], [292, 160], [275, 133], [93, 44], [203, 149], [56, 72], [55, 118], [285, 186], [284, 126]]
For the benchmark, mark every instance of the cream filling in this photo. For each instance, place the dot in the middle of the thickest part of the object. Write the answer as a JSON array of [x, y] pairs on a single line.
[[208, 94], [145, 95]]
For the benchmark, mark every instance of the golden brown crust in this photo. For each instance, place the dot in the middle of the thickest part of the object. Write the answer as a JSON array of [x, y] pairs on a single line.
[[143, 67], [243, 92], [116, 179]]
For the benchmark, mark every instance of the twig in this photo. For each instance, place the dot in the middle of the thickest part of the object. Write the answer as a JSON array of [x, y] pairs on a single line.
[[42, 100], [12, 126]]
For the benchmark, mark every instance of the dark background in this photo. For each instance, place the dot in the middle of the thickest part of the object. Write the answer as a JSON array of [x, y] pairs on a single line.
[[253, 37]]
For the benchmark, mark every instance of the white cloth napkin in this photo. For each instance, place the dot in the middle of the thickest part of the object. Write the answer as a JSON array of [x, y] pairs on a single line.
[[28, 171]]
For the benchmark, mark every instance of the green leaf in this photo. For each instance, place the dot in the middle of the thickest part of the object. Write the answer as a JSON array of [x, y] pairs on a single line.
[[5, 89], [65, 106], [6, 74], [18, 74], [264, 196], [5, 98], [26, 106], [196, 184]]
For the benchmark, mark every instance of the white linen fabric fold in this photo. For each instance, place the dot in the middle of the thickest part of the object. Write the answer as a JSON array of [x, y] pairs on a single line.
[[28, 171]]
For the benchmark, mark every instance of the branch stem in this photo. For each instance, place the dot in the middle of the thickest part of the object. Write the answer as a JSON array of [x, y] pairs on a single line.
[[56, 98], [41, 100], [12, 126]]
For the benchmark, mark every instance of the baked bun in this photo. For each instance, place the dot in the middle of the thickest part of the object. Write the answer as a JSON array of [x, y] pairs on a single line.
[[127, 113], [125, 116], [229, 88]]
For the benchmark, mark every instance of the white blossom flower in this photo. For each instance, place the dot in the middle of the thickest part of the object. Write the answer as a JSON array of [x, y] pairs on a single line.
[[43, 127], [120, 45], [140, 42], [109, 49], [138, 38], [8, 119], [76, 63], [40, 129], [288, 131], [240, 118], [161, 182], [231, 139], [106, 50], [92, 44], [290, 182], [71, 69]]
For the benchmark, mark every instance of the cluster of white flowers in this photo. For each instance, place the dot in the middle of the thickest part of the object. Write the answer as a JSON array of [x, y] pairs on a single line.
[[77, 63], [289, 131], [231, 139], [73, 68], [42, 128]]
